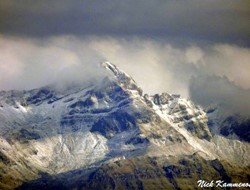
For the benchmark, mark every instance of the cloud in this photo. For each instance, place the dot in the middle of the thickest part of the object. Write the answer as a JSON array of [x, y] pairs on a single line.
[[219, 90], [29, 63], [231, 61], [156, 66], [194, 55], [212, 20], [223, 79]]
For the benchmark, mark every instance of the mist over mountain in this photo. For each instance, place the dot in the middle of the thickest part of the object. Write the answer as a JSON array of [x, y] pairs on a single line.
[[109, 134], [165, 67], [124, 94], [219, 90]]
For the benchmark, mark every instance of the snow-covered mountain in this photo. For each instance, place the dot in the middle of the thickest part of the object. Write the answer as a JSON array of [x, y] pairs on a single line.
[[69, 138]]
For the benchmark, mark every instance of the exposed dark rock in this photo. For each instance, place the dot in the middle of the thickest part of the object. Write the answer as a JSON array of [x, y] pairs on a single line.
[[162, 99], [200, 129], [114, 123], [238, 126], [27, 135], [41, 95], [4, 159], [68, 100], [137, 140]]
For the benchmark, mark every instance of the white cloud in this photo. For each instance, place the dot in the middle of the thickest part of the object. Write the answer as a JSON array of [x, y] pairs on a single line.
[[194, 55], [156, 66], [233, 62], [26, 63]]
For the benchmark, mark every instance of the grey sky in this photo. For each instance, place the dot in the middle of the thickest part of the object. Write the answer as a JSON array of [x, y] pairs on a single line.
[[212, 20]]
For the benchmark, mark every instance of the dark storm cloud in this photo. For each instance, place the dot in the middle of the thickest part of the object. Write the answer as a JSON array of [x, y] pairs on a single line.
[[217, 20], [219, 90]]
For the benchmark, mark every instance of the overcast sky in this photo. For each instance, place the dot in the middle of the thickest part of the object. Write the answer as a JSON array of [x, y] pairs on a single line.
[[213, 20], [164, 44]]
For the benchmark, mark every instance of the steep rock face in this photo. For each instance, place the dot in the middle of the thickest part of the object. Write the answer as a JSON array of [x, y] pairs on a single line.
[[240, 127], [115, 123], [181, 112], [49, 136], [125, 81], [228, 125], [54, 132]]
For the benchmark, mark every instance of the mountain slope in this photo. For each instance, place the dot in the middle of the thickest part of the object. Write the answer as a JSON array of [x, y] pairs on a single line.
[[49, 135]]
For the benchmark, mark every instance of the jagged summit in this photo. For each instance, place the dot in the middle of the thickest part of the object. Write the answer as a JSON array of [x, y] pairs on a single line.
[[126, 81], [114, 69]]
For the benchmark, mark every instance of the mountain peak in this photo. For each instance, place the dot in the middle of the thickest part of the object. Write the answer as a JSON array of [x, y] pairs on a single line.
[[115, 70], [67, 135], [122, 78], [111, 67]]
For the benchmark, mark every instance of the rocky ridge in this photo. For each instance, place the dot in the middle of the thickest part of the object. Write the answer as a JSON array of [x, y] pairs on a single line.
[[48, 136]]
